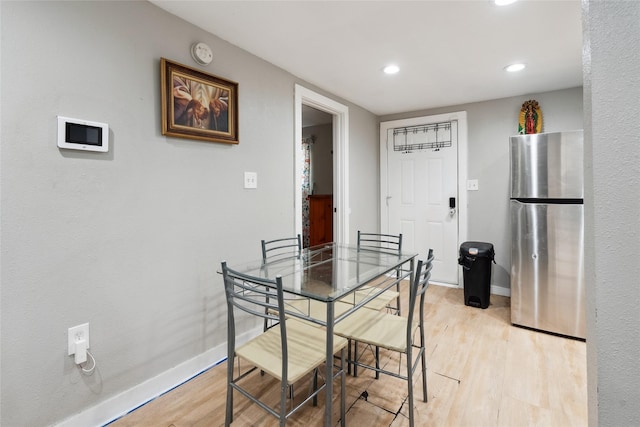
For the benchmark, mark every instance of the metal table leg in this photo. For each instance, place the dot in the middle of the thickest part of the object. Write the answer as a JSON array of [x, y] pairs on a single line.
[[329, 367]]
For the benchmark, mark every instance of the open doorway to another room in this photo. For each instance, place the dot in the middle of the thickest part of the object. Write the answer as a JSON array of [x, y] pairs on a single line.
[[317, 182], [339, 114]]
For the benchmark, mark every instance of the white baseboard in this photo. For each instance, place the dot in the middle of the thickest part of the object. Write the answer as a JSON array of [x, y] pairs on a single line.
[[499, 290], [495, 290], [116, 407], [120, 405], [446, 285]]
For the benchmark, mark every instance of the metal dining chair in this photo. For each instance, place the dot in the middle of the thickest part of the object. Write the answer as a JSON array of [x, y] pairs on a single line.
[[281, 248], [376, 242], [386, 243], [289, 351], [287, 247], [395, 333]]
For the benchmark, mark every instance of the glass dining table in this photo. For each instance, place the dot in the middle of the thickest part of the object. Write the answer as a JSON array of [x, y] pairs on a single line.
[[330, 273]]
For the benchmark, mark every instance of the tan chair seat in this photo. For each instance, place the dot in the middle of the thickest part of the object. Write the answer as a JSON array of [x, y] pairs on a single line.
[[376, 328], [307, 349]]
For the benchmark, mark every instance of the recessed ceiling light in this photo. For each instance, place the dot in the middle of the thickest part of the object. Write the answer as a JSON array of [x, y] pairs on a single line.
[[514, 67], [503, 2], [391, 69]]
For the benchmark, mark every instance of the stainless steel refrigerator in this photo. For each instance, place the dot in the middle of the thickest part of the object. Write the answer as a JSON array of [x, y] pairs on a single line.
[[547, 232]]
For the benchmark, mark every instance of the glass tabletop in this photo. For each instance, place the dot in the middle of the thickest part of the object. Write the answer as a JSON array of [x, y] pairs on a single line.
[[326, 272]]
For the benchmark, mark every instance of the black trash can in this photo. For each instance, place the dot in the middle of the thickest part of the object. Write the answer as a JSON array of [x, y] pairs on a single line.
[[475, 259]]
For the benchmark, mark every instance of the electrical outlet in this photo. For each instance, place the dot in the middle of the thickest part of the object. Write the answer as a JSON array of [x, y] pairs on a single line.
[[77, 333], [250, 180]]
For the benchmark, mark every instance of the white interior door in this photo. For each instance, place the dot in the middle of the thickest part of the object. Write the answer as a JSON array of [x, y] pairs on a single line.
[[419, 184]]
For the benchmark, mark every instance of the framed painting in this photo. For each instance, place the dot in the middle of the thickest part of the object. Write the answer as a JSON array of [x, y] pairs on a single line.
[[198, 105]]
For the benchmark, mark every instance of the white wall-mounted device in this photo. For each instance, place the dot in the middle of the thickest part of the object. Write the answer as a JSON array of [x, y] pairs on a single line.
[[79, 134], [201, 53]]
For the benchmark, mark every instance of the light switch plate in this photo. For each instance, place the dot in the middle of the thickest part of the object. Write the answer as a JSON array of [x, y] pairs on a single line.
[[472, 184], [250, 180]]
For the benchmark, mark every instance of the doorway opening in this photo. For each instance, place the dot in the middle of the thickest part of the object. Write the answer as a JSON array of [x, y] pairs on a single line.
[[317, 176], [309, 101]]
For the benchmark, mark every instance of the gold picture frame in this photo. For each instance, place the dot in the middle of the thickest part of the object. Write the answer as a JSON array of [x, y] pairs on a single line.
[[197, 105]]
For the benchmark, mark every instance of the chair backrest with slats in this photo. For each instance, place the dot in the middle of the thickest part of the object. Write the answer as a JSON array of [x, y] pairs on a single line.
[[257, 296], [418, 289], [281, 248], [380, 242]]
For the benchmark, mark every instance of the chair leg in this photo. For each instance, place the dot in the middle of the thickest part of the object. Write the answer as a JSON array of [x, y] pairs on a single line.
[[424, 377], [283, 403], [355, 358], [423, 351], [410, 389], [315, 387], [349, 357], [343, 391], [265, 327], [377, 362], [398, 290], [266, 311], [228, 419]]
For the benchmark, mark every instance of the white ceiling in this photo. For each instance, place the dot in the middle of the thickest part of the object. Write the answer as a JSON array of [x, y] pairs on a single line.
[[450, 52]]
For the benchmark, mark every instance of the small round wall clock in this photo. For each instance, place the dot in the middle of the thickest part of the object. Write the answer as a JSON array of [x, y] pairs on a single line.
[[201, 53], [530, 120]]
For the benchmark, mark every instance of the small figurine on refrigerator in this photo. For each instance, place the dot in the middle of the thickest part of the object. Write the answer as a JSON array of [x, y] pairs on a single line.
[[530, 118]]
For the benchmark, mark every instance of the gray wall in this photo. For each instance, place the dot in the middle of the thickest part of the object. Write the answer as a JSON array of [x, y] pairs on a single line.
[[612, 210], [130, 241], [490, 124]]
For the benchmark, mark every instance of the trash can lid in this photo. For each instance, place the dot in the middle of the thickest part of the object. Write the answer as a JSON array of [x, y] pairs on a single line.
[[481, 249]]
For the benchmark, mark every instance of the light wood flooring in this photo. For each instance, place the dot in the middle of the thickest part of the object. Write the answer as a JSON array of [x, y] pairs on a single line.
[[481, 371]]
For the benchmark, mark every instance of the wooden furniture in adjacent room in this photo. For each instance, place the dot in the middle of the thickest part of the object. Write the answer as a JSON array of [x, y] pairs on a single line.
[[320, 219]]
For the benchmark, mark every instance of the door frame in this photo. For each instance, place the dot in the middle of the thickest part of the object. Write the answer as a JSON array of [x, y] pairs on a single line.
[[340, 113], [461, 117]]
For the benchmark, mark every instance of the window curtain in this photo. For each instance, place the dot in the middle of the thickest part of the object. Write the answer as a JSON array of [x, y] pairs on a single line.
[[306, 188]]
